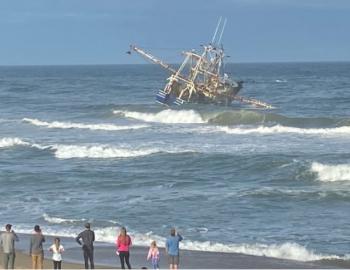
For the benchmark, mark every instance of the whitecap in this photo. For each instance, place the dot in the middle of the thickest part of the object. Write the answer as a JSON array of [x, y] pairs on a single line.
[[11, 141], [331, 173], [58, 220], [283, 129], [280, 81], [166, 116], [69, 125], [98, 151]]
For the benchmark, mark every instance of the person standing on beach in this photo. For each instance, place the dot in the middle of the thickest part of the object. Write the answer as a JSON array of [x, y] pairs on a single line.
[[153, 254], [7, 242], [172, 249], [123, 243], [57, 250], [88, 238], [36, 250]]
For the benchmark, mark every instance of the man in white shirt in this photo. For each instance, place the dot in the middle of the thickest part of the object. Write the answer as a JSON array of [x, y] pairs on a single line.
[[7, 241]]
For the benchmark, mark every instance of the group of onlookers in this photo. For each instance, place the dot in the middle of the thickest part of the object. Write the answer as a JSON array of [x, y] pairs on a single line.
[[86, 239]]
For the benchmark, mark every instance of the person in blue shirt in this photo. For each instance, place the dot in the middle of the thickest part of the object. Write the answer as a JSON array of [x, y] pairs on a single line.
[[172, 248]]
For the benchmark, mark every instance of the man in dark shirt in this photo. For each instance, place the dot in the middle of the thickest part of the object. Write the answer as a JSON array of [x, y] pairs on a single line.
[[88, 238], [36, 250]]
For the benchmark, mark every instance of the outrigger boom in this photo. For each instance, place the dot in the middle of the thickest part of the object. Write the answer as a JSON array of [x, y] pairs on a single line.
[[200, 78]]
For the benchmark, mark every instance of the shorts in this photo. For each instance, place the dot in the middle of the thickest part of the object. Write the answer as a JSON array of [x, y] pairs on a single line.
[[173, 259]]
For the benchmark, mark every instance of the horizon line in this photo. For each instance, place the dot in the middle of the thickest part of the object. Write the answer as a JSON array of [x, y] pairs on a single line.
[[135, 64]]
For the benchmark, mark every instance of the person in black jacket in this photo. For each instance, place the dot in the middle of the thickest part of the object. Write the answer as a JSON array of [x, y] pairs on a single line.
[[88, 238]]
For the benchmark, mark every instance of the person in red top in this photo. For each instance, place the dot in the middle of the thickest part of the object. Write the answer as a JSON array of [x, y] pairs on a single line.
[[123, 243]]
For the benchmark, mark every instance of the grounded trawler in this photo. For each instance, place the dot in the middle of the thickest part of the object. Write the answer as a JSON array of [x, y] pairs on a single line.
[[200, 78]]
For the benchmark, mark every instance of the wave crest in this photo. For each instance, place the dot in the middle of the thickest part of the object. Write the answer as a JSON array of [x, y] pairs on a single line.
[[9, 142], [166, 116], [69, 125], [283, 129], [98, 151], [331, 173], [57, 220]]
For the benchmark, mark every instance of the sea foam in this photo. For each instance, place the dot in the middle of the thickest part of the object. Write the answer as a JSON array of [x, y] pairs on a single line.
[[283, 129], [331, 173], [69, 125], [58, 220], [62, 151], [287, 250], [166, 116], [107, 151], [11, 141], [98, 151]]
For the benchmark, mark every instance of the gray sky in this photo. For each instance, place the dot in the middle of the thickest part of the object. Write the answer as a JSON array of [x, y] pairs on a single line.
[[100, 31]]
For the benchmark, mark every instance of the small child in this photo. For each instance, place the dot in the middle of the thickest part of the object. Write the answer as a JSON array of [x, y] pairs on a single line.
[[153, 254], [57, 250]]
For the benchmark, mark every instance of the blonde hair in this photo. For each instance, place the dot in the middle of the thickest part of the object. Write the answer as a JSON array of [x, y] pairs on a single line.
[[153, 243], [123, 236]]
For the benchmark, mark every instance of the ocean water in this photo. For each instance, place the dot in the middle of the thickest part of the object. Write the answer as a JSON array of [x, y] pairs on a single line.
[[89, 143]]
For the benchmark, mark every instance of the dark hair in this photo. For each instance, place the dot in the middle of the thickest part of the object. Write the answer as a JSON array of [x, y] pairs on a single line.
[[37, 228], [172, 232], [57, 243], [87, 225], [8, 227]]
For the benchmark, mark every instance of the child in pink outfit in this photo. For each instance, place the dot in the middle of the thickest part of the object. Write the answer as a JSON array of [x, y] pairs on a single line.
[[153, 254]]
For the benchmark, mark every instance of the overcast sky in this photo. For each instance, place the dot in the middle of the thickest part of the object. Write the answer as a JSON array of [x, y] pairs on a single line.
[[45, 32]]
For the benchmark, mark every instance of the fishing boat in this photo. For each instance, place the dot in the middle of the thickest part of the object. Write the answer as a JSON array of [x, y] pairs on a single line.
[[201, 77]]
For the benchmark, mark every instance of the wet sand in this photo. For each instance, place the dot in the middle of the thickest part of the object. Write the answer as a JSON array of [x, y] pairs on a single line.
[[105, 257]]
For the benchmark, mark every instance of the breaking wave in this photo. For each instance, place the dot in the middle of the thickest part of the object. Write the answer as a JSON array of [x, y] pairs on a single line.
[[331, 173], [288, 250], [99, 151], [166, 116], [9, 142], [283, 129], [62, 151], [57, 220], [69, 125]]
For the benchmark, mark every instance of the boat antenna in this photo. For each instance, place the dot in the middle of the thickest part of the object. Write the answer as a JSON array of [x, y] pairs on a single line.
[[216, 30], [222, 30]]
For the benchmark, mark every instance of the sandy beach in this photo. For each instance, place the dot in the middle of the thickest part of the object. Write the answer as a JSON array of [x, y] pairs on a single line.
[[105, 258], [23, 261]]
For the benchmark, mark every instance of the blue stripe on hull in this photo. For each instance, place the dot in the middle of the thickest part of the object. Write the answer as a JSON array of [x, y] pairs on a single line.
[[168, 99]]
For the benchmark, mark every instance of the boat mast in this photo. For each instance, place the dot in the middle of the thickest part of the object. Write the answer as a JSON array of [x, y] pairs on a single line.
[[152, 58]]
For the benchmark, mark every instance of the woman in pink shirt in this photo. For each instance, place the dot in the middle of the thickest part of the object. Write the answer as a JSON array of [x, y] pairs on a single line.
[[123, 243]]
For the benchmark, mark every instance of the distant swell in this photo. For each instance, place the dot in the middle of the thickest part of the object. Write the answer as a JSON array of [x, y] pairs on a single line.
[[11, 141], [283, 129], [246, 117], [166, 116], [331, 173], [68, 125], [62, 151]]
